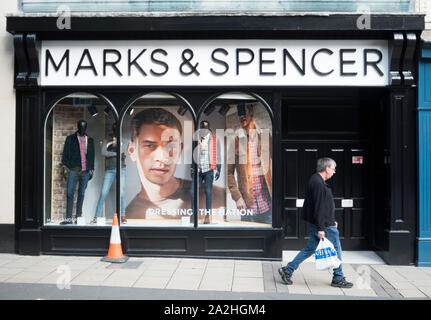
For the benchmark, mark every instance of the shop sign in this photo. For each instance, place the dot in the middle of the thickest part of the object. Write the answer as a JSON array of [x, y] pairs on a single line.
[[357, 160], [214, 63]]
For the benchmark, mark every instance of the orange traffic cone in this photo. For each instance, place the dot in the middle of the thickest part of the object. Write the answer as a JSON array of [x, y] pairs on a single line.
[[115, 253]]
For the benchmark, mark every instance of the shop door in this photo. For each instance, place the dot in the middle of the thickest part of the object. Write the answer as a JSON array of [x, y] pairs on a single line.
[[349, 187]]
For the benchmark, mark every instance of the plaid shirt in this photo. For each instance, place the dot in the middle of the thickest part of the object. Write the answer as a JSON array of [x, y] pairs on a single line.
[[262, 199], [83, 150], [204, 156]]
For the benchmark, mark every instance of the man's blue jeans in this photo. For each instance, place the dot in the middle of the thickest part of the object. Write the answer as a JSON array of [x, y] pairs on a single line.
[[332, 234], [208, 177], [109, 178], [265, 217], [74, 177]]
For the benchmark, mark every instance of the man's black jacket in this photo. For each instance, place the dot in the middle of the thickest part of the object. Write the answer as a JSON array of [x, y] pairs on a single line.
[[318, 206], [72, 155]]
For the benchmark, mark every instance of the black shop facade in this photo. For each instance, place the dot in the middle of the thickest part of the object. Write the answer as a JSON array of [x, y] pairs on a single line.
[[201, 137]]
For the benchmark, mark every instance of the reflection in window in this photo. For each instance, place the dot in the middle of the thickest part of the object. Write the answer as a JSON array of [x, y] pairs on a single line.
[[234, 160], [76, 164], [157, 130]]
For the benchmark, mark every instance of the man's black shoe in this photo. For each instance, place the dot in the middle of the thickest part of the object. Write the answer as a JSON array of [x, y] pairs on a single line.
[[67, 221], [341, 284], [285, 276]]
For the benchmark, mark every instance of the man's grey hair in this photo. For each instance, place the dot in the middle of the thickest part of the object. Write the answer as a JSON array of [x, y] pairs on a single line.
[[323, 163]]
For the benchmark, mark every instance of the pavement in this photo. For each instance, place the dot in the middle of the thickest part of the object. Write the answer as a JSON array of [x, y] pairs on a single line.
[[158, 278]]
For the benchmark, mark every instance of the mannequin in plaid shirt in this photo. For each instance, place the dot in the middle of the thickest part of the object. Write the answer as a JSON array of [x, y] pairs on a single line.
[[253, 190], [208, 164]]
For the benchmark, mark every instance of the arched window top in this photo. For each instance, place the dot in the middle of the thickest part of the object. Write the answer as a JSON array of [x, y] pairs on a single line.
[[78, 129]]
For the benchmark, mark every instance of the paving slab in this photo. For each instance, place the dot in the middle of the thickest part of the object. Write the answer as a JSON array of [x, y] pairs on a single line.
[[155, 282], [268, 278], [10, 271], [158, 273], [248, 273], [359, 292], [216, 283], [412, 293], [25, 277], [403, 285], [425, 290], [122, 278], [184, 283], [222, 263], [92, 278], [248, 284]]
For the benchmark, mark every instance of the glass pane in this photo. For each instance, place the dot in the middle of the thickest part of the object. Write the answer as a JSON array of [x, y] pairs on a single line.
[[234, 157], [75, 164], [157, 130]]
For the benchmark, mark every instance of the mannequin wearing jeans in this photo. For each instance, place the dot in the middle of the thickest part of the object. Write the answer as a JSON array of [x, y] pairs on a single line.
[[78, 158], [209, 161], [109, 151]]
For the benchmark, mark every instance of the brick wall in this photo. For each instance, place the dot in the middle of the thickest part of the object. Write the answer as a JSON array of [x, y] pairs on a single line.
[[64, 124]]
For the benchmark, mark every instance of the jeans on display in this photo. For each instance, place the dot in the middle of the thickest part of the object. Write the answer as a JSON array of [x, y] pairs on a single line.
[[208, 177], [74, 177], [264, 217], [108, 179], [332, 234]]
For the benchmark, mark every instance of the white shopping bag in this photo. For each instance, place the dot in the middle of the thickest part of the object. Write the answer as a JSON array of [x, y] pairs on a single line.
[[326, 256]]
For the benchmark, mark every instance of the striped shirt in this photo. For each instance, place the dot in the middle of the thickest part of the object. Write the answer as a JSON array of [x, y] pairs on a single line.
[[83, 151]]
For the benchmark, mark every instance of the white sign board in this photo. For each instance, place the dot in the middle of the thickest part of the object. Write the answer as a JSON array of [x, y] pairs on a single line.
[[215, 63]]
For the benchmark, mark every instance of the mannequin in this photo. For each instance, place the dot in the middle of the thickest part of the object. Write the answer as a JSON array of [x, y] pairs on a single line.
[[209, 161], [109, 151], [78, 160]]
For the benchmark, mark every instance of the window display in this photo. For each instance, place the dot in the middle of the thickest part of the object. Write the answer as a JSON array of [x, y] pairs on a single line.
[[164, 162], [158, 179], [75, 168], [78, 165], [243, 131], [109, 151]]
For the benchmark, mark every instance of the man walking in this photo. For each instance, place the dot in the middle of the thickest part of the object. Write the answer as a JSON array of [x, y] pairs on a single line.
[[319, 212]]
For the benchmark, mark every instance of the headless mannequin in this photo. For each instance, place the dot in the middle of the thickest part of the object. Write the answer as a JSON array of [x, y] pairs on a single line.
[[112, 148], [208, 176], [76, 174], [204, 127]]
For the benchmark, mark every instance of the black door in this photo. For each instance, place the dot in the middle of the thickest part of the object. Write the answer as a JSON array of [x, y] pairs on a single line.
[[339, 125], [348, 185]]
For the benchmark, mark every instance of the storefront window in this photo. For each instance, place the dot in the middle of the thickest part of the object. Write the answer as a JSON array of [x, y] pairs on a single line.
[[234, 160], [80, 162], [157, 131]]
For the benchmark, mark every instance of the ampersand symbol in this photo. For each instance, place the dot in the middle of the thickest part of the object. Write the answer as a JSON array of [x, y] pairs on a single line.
[[187, 57]]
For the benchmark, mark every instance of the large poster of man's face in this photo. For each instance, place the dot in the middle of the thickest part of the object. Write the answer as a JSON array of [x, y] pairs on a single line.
[[158, 181], [231, 176]]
